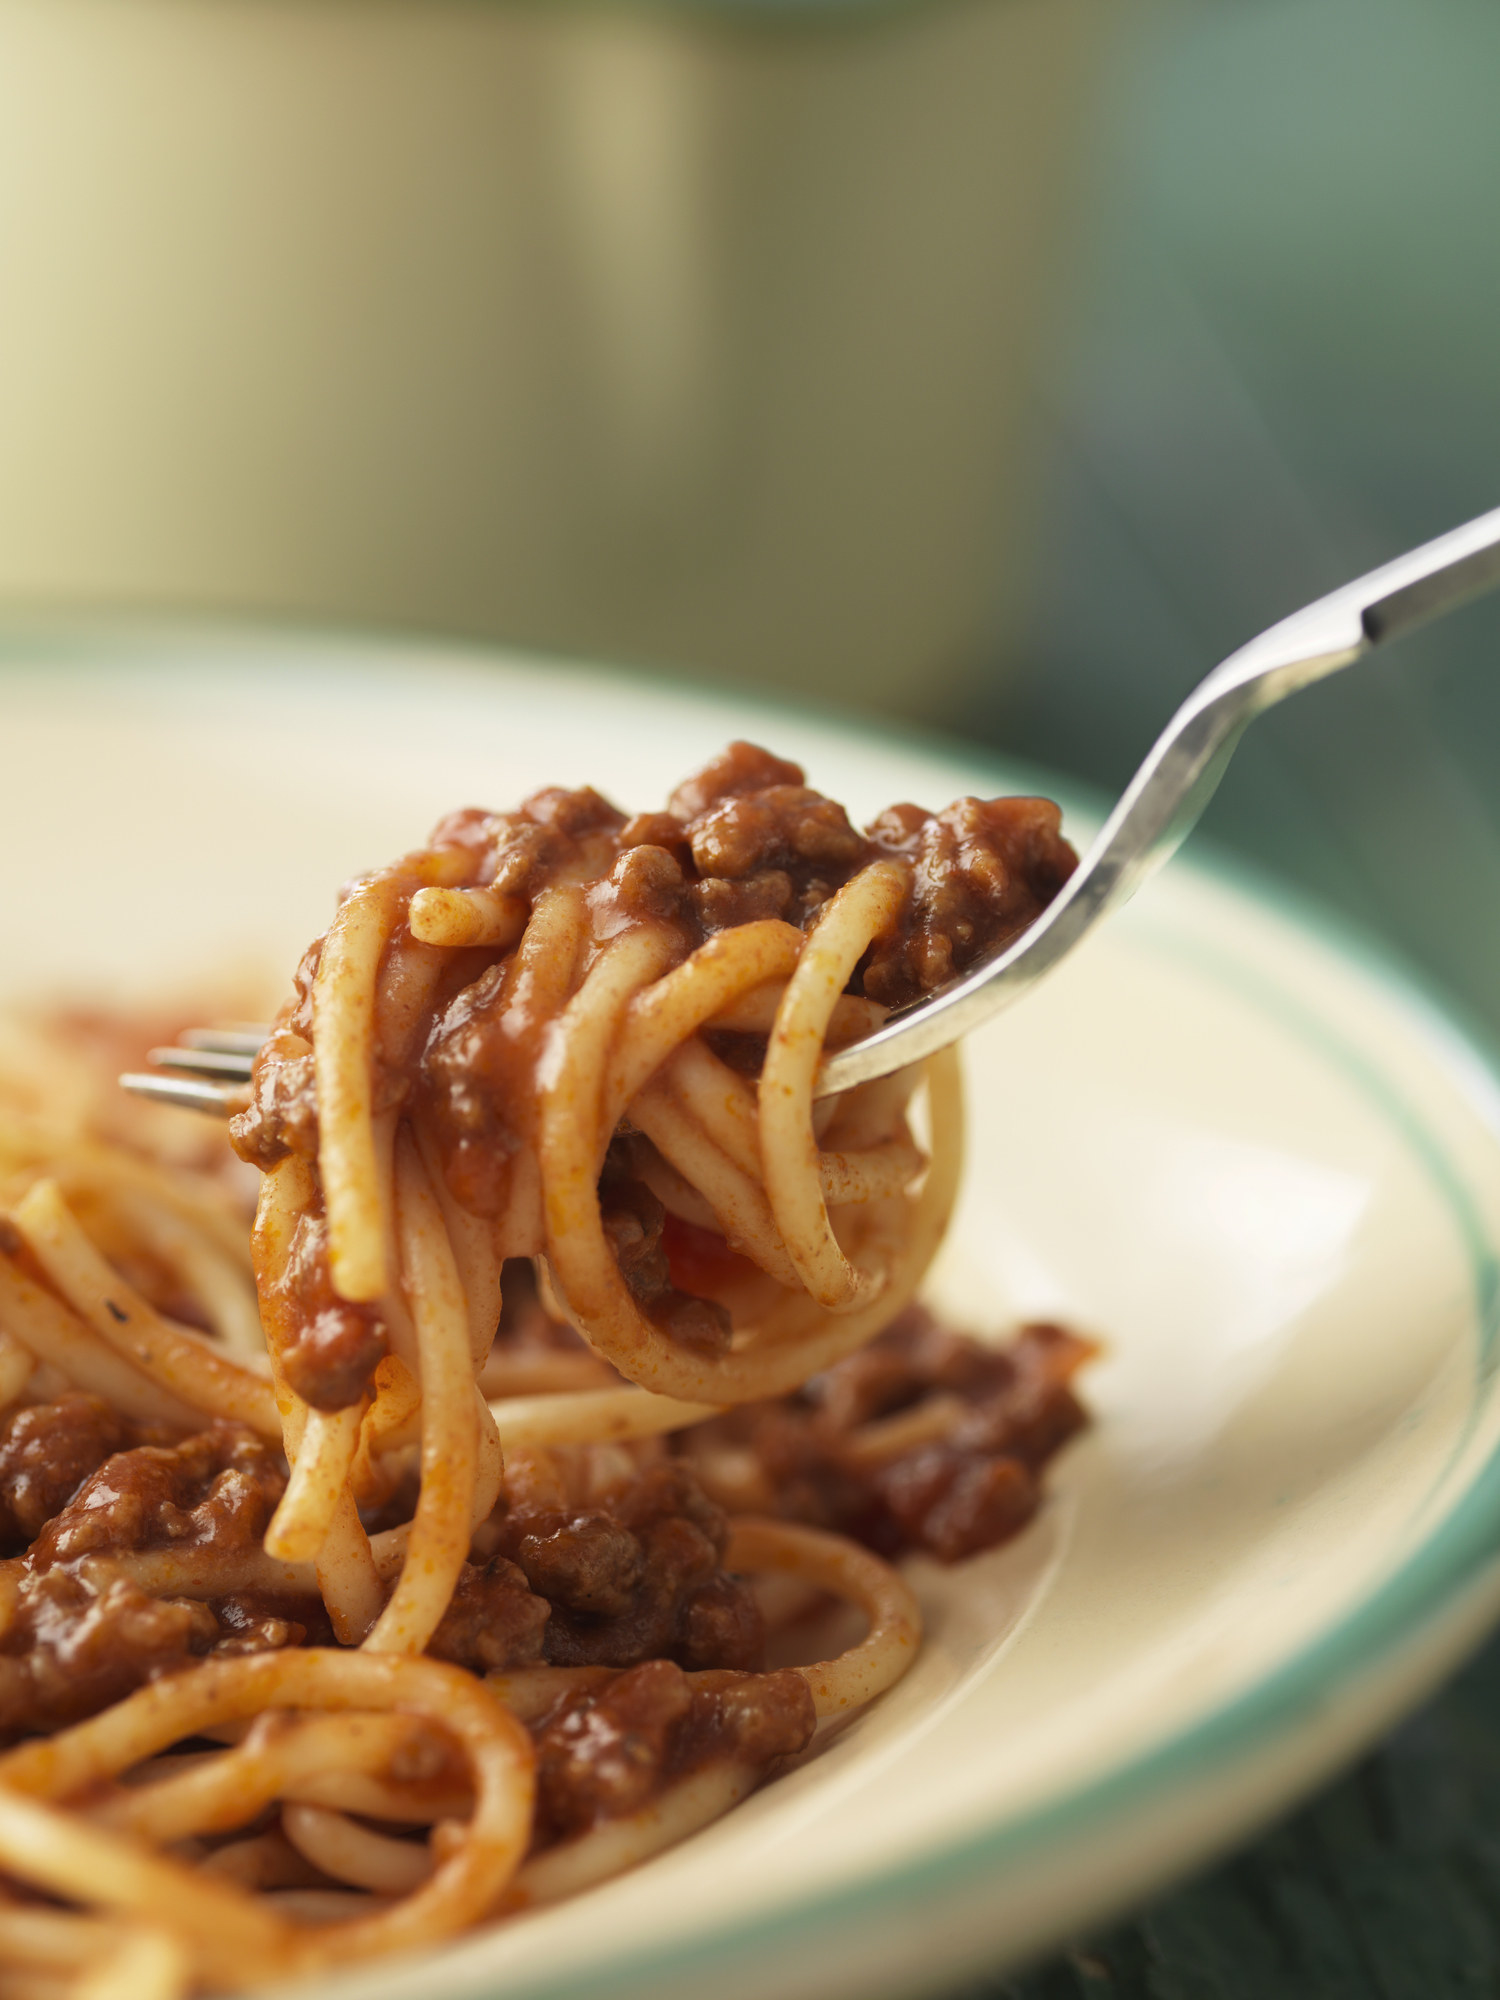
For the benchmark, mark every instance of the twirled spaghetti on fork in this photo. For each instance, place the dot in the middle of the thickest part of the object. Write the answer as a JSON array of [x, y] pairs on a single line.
[[558, 1035]]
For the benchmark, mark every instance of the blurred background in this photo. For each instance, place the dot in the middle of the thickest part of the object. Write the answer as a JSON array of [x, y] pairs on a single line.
[[1278, 369], [996, 365]]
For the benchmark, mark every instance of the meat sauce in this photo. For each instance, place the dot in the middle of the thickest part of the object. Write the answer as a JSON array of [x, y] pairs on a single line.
[[79, 1631], [743, 839], [629, 1588], [609, 1747], [924, 1441]]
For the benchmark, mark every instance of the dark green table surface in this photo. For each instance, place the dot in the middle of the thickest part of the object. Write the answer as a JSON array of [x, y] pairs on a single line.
[[1385, 1887]]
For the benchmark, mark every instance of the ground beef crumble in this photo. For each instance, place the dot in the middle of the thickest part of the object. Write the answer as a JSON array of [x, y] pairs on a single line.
[[1001, 1413], [336, 1343], [630, 1589], [494, 1620], [215, 1491], [641, 1581], [80, 1633], [982, 872], [745, 838], [282, 1116], [634, 1578], [47, 1450], [606, 1750]]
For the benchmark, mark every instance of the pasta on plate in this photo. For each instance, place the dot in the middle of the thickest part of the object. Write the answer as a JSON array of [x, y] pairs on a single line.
[[410, 1560]]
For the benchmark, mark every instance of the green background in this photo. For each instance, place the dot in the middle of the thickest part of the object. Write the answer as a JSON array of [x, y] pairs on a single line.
[[1283, 366]]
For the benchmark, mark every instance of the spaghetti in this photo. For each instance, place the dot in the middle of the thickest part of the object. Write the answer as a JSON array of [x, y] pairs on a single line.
[[334, 1619]]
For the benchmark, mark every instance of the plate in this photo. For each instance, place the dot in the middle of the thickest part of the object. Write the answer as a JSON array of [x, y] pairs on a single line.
[[1237, 1148]]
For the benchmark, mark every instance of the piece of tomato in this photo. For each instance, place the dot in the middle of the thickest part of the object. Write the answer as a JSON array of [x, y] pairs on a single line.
[[700, 1261]]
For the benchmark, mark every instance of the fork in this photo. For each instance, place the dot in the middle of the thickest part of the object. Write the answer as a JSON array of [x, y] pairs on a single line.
[[207, 1069], [1159, 807]]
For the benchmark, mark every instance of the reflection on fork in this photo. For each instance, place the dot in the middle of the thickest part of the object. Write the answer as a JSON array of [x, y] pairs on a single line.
[[207, 1069]]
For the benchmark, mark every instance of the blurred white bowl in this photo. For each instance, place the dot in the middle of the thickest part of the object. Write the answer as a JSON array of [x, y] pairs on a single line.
[[690, 336]]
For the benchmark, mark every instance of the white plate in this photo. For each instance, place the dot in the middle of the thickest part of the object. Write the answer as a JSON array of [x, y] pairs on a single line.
[[1254, 1162]]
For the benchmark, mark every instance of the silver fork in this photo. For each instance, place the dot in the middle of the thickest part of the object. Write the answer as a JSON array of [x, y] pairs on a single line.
[[207, 1070], [1154, 815], [1163, 800]]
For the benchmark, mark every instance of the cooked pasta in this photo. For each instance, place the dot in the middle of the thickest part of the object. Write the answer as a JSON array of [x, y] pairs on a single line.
[[383, 1569]]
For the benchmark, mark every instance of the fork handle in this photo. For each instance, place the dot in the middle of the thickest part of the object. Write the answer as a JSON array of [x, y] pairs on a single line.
[[1180, 775], [1438, 577]]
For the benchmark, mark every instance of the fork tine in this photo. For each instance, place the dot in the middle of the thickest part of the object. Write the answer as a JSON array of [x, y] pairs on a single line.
[[235, 1038], [189, 1093], [231, 1068]]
